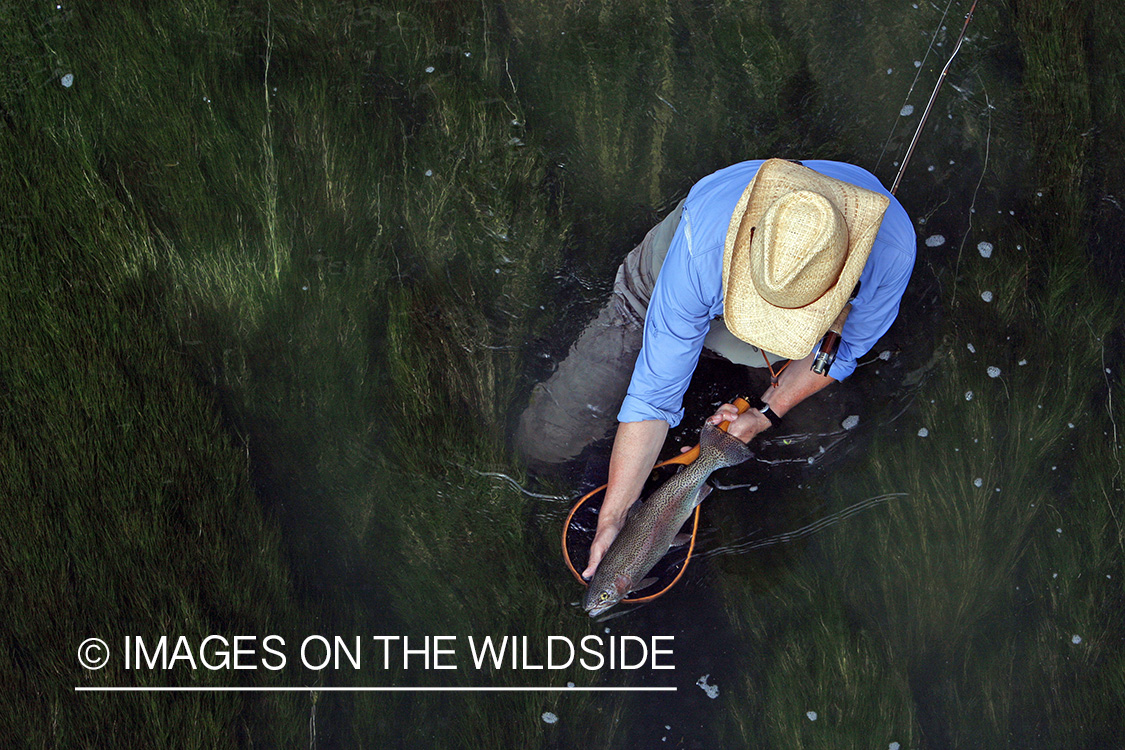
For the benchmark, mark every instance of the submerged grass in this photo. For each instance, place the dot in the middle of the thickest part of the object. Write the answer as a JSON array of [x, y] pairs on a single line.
[[269, 278], [321, 218], [985, 609], [119, 482]]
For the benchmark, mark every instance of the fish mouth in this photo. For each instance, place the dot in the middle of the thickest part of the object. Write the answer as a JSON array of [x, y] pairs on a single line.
[[597, 609]]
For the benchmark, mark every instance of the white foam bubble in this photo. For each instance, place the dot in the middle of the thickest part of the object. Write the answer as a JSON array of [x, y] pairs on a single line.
[[923, 432], [985, 249], [935, 240], [850, 422], [986, 296], [811, 715], [968, 395], [993, 372], [907, 110], [549, 718], [67, 80], [978, 482], [711, 690]]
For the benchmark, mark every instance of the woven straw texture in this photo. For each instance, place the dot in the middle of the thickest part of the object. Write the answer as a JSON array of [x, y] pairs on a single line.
[[783, 290]]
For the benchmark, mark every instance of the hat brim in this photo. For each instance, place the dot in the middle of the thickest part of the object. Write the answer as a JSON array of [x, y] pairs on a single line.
[[792, 332]]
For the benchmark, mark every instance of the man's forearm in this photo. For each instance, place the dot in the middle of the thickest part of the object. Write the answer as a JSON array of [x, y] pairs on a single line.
[[796, 383], [635, 450]]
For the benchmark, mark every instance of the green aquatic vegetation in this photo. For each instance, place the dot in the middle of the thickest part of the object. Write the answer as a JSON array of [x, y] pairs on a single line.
[[221, 233], [951, 594], [270, 274], [632, 98], [120, 482], [947, 599]]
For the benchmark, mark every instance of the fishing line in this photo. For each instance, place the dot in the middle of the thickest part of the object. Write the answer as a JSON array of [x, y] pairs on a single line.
[[973, 203], [804, 531], [933, 96], [511, 482], [917, 75]]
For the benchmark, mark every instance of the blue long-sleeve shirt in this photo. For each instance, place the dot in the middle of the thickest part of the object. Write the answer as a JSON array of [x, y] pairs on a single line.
[[689, 290]]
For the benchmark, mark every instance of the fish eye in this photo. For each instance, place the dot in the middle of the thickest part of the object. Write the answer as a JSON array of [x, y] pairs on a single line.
[[603, 596]]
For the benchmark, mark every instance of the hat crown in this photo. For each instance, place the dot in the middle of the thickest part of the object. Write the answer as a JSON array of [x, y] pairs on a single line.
[[798, 249], [791, 330]]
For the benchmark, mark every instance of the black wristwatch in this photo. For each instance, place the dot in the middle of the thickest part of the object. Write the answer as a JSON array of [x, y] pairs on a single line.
[[769, 414]]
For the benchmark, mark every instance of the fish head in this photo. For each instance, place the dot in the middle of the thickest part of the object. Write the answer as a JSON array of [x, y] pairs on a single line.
[[604, 593]]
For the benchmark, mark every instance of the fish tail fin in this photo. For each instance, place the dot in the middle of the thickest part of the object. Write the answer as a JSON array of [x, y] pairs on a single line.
[[730, 449]]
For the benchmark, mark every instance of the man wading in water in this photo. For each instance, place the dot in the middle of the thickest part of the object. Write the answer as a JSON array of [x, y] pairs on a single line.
[[753, 266]]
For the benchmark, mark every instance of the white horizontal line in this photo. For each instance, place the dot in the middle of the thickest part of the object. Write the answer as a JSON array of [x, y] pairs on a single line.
[[373, 689]]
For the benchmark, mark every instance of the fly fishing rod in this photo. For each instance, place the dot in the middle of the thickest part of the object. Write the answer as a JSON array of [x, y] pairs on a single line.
[[826, 355], [933, 96]]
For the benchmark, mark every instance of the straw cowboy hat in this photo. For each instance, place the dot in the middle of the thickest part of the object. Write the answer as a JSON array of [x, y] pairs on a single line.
[[795, 248]]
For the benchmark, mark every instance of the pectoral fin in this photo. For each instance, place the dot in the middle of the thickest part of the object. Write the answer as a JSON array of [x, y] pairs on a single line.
[[644, 584], [701, 495], [680, 540]]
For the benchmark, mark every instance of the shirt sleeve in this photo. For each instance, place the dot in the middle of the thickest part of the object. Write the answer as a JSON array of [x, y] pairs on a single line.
[[677, 321], [874, 310]]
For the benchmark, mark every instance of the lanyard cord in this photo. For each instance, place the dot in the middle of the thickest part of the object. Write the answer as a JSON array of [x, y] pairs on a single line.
[[774, 375]]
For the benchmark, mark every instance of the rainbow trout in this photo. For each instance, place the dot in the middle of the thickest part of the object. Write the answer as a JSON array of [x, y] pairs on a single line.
[[651, 527]]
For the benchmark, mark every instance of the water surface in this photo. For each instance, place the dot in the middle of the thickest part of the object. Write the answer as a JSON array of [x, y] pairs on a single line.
[[293, 272]]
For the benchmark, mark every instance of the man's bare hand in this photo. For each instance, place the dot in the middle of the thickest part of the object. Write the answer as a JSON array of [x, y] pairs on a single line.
[[744, 426], [607, 532]]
